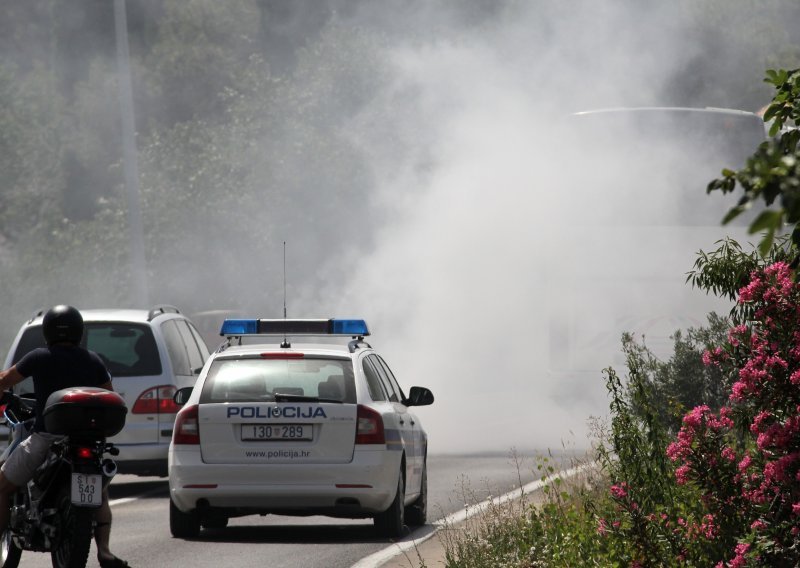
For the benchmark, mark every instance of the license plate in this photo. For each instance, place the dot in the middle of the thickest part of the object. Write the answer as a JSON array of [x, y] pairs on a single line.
[[87, 489], [276, 431]]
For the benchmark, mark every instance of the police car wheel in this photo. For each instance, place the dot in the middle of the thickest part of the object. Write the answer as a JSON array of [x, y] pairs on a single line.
[[417, 512], [392, 521], [183, 525], [215, 522]]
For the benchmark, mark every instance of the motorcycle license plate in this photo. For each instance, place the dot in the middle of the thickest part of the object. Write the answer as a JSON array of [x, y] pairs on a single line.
[[87, 489]]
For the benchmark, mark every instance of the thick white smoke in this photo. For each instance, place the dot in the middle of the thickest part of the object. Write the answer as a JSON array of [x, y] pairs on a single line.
[[494, 282]]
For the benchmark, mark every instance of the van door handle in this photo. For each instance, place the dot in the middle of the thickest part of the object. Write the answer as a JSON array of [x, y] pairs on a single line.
[[402, 422]]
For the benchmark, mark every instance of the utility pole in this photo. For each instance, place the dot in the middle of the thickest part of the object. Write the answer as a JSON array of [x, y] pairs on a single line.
[[130, 162]]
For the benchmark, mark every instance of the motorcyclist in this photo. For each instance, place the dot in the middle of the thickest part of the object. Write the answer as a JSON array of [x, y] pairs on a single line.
[[62, 364]]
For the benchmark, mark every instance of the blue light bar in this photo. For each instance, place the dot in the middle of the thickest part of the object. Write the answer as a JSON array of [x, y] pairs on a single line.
[[278, 327], [349, 327], [239, 327]]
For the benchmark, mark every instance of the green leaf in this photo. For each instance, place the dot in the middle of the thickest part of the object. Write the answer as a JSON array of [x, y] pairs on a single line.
[[733, 213], [767, 220], [766, 243]]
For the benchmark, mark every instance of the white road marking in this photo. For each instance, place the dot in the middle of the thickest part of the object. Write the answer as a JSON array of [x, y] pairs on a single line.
[[124, 500]]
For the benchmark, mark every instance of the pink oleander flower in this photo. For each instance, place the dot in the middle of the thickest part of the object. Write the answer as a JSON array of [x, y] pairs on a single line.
[[748, 293], [738, 392], [602, 527], [796, 508], [707, 527], [745, 463], [740, 561], [759, 421], [619, 491], [694, 418], [682, 474], [737, 334]]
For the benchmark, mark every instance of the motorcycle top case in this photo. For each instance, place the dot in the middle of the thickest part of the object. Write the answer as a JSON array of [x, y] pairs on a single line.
[[85, 410]]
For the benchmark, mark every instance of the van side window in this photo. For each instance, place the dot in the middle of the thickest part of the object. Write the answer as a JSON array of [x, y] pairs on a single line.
[[201, 344], [175, 348], [196, 359]]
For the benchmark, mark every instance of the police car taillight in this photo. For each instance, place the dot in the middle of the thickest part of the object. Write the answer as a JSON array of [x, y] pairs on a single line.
[[187, 426], [370, 427]]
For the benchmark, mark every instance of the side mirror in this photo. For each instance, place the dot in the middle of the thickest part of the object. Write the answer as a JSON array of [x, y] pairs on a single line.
[[182, 395], [419, 396]]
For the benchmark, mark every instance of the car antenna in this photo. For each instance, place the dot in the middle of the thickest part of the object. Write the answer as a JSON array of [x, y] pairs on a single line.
[[285, 344]]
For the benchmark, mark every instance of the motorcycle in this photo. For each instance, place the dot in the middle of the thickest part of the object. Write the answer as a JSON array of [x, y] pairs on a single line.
[[54, 512]]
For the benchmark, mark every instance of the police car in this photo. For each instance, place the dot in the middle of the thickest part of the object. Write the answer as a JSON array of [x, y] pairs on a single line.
[[297, 429]]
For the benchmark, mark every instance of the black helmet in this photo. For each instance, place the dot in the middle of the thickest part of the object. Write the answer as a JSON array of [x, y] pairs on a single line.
[[62, 324]]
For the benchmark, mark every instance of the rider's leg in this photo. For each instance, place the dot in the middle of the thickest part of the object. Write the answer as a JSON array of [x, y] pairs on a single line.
[[102, 530], [6, 490], [102, 535], [19, 467]]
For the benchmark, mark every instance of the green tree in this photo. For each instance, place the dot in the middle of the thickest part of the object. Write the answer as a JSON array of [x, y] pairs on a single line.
[[772, 173]]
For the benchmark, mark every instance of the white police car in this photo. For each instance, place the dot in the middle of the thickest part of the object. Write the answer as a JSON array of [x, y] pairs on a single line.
[[303, 429]]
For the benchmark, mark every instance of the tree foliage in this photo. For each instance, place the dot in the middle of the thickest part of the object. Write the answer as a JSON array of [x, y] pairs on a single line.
[[772, 173]]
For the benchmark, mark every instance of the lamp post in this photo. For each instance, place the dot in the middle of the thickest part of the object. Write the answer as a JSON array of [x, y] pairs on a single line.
[[130, 163]]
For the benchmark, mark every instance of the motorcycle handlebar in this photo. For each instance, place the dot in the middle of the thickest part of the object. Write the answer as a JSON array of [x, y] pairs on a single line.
[[18, 408]]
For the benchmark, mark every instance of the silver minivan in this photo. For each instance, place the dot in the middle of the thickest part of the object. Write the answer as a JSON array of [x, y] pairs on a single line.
[[150, 354]]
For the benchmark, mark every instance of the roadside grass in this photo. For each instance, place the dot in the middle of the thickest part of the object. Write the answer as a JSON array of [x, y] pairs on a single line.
[[552, 526]]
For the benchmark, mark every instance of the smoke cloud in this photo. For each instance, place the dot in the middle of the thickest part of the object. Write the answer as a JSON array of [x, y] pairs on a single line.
[[511, 264]]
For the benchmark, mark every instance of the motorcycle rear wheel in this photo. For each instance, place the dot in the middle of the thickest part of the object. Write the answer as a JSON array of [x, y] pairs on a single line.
[[10, 553], [74, 533]]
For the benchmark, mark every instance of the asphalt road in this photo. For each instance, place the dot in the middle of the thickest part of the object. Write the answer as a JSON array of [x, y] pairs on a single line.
[[141, 522]]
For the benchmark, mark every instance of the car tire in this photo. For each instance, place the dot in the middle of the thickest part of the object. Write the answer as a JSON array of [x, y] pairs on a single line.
[[417, 513], [392, 521], [215, 522], [183, 525]]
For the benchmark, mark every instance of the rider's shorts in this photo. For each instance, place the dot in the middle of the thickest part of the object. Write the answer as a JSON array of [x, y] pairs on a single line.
[[29, 455]]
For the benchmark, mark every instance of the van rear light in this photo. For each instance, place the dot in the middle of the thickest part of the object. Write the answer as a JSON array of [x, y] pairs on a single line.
[[370, 427], [187, 426], [156, 400]]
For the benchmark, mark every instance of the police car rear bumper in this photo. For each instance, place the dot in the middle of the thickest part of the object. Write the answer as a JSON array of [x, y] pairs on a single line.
[[365, 486]]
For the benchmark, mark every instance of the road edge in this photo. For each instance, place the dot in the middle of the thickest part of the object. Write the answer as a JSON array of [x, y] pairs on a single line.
[[426, 532]]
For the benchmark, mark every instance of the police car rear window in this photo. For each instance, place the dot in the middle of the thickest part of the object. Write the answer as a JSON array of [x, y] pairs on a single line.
[[128, 350], [257, 379]]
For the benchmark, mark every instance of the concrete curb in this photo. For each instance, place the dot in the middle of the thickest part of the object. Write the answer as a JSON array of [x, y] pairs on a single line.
[[430, 552]]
